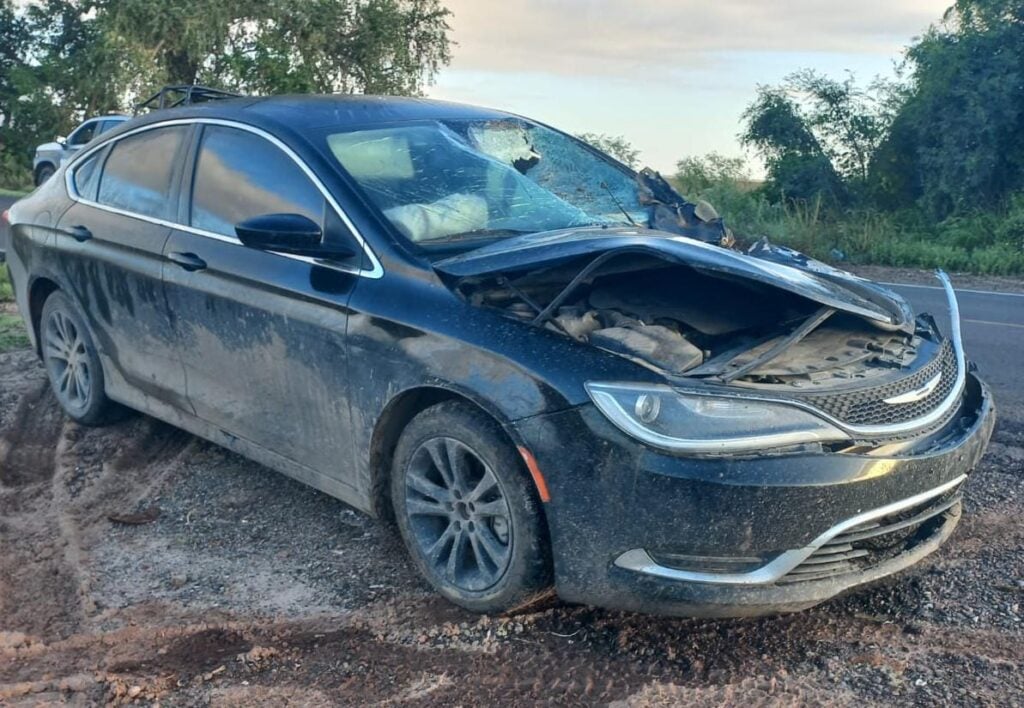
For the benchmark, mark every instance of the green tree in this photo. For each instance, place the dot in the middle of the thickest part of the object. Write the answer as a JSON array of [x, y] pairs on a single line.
[[957, 142], [14, 41], [797, 167], [695, 175], [323, 46], [64, 60], [614, 145], [58, 67], [816, 135]]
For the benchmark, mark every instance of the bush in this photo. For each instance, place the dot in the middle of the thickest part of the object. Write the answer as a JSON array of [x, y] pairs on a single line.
[[12, 333], [986, 242], [6, 291], [13, 175]]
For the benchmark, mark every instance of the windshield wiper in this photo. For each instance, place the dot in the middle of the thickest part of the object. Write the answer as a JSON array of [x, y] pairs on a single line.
[[604, 185]]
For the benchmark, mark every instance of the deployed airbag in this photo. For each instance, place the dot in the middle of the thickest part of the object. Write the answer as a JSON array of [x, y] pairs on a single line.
[[454, 214]]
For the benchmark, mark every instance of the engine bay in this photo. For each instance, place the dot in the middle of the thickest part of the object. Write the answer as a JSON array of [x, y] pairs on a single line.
[[682, 322]]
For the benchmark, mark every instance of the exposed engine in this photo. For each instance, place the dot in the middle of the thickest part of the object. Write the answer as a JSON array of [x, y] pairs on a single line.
[[682, 322]]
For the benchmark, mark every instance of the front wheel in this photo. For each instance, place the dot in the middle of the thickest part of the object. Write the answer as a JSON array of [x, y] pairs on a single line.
[[469, 517]]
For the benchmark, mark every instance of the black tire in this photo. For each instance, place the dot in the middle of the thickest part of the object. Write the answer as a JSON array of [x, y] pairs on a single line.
[[494, 564], [44, 173], [72, 363]]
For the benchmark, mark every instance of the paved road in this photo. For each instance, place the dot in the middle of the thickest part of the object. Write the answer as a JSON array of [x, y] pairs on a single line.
[[993, 326]]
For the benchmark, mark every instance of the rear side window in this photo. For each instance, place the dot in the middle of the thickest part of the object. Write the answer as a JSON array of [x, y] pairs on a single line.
[[240, 175], [87, 176], [139, 172]]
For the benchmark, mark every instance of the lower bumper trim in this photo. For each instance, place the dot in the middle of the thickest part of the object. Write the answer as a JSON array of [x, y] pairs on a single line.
[[640, 561]]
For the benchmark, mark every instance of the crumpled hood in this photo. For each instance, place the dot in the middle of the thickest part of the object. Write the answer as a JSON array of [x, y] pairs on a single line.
[[763, 263]]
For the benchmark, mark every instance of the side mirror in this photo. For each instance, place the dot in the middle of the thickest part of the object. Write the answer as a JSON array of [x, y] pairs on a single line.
[[289, 233], [61, 140]]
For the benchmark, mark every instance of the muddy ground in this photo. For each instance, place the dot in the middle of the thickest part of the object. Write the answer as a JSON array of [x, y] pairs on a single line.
[[139, 564]]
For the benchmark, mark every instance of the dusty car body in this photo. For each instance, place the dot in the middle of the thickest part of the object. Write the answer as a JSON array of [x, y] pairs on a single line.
[[49, 156], [421, 293]]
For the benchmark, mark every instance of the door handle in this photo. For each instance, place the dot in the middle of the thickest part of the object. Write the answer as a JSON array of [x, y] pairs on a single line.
[[189, 261], [79, 233]]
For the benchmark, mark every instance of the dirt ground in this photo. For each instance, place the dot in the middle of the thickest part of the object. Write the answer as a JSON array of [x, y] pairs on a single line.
[[139, 564]]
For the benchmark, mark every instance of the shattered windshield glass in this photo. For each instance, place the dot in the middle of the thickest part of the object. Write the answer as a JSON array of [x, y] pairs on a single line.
[[452, 181]]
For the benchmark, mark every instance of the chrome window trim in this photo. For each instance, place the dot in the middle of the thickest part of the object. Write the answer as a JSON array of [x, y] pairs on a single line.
[[376, 270], [640, 561]]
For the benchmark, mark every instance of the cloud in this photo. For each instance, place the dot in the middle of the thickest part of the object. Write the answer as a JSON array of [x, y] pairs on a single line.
[[620, 38]]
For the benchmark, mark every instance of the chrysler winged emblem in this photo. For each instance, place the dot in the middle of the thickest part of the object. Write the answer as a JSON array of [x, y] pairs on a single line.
[[917, 394]]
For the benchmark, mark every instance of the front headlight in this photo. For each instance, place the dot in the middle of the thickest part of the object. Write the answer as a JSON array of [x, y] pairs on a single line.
[[696, 423]]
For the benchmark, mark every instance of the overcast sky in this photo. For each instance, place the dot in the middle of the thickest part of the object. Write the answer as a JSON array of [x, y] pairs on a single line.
[[671, 76]]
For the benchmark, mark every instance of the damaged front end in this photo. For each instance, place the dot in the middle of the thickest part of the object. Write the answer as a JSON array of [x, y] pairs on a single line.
[[759, 351]]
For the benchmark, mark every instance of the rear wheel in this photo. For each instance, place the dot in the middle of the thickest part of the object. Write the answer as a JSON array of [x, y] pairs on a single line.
[[72, 363], [469, 517]]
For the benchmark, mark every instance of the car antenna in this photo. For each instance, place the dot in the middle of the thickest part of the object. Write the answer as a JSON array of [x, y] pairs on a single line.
[[604, 185]]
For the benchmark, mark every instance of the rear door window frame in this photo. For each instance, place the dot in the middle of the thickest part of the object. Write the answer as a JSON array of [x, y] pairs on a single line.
[[173, 195], [174, 221]]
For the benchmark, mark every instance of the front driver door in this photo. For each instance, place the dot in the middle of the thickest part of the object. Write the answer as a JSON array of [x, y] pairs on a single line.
[[261, 335]]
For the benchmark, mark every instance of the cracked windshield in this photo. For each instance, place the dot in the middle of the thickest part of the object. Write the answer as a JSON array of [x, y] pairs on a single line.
[[454, 181]]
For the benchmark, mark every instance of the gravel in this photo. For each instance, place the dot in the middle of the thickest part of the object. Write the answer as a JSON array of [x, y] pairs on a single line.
[[224, 583]]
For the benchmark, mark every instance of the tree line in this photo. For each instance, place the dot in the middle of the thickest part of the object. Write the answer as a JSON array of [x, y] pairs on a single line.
[[926, 169], [64, 60], [923, 170], [946, 137]]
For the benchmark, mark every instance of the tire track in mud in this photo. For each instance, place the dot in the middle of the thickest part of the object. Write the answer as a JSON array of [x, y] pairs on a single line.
[[58, 484], [28, 448], [629, 659]]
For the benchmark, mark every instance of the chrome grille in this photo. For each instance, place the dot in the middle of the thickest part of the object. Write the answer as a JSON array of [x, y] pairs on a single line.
[[874, 542], [867, 406]]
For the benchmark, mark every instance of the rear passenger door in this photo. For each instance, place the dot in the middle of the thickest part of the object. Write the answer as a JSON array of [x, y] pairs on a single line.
[[262, 335], [110, 250]]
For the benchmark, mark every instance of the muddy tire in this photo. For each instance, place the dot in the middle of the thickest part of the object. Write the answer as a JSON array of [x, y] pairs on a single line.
[[467, 511], [72, 363]]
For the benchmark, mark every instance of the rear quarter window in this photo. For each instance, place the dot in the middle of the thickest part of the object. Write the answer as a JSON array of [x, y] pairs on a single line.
[[139, 173], [86, 176]]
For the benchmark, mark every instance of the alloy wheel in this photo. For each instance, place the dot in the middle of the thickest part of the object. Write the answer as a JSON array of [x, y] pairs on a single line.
[[458, 514], [66, 357]]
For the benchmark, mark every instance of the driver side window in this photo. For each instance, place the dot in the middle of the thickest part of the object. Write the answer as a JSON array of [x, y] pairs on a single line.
[[240, 175], [83, 134]]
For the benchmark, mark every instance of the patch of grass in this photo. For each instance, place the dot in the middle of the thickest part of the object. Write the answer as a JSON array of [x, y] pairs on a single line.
[[6, 289], [12, 332], [16, 193], [986, 243]]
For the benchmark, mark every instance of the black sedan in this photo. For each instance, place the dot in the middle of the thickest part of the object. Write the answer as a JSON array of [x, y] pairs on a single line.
[[550, 370]]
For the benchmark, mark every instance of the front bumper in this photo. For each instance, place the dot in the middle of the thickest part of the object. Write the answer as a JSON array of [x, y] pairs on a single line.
[[745, 527]]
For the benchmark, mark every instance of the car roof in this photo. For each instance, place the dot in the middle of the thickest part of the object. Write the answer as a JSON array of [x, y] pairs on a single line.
[[301, 112]]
